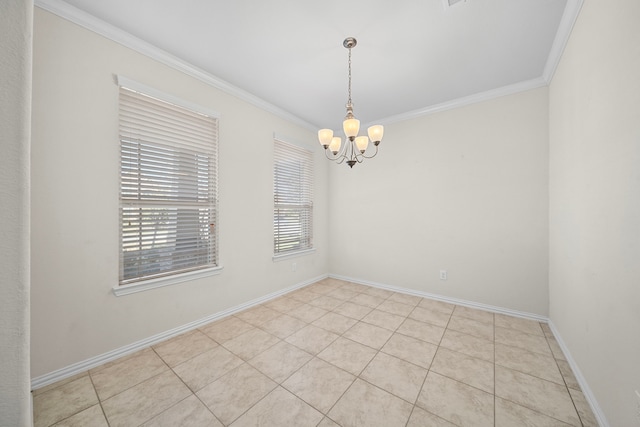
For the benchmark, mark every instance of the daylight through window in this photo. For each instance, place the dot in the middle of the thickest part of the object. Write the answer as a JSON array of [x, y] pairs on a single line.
[[168, 188], [293, 199]]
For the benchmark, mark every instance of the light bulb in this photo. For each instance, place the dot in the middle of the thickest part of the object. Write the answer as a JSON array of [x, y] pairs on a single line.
[[351, 128], [375, 133], [362, 142], [324, 136], [335, 144]]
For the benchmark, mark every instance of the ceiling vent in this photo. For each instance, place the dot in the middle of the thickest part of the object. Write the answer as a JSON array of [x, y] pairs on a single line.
[[449, 3]]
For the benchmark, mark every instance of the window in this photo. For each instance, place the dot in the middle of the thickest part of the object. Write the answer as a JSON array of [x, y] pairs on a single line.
[[168, 186], [293, 199]]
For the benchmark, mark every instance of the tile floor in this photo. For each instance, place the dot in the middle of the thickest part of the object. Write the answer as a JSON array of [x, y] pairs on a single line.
[[333, 354]]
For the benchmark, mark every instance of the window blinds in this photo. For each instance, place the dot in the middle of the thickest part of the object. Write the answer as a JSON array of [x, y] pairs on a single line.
[[293, 198], [168, 188]]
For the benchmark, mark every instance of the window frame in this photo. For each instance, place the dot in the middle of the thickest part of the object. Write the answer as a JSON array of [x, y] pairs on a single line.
[[285, 150], [212, 266]]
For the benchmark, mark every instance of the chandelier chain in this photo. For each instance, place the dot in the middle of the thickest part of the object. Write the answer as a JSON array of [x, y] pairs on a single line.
[[354, 150], [349, 102]]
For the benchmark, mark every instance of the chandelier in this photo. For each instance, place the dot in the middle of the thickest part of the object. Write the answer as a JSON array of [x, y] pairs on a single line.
[[355, 148]]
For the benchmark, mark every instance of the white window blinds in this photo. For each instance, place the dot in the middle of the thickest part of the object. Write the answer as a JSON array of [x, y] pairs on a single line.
[[293, 198], [168, 188]]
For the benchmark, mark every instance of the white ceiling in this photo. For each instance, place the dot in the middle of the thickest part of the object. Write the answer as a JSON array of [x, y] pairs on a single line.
[[412, 55]]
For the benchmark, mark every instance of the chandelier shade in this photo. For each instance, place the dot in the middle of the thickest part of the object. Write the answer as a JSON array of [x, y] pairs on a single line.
[[351, 127], [355, 147], [334, 146]]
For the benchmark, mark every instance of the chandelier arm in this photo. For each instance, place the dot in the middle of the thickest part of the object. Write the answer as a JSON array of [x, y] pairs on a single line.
[[372, 156], [340, 156], [326, 154], [349, 151]]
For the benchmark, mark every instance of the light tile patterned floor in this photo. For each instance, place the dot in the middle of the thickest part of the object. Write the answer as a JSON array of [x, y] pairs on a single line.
[[333, 354]]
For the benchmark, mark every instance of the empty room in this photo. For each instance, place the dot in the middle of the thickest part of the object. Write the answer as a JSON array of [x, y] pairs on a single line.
[[411, 213]]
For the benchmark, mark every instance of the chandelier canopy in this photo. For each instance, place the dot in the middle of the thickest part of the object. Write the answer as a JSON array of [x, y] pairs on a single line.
[[355, 148]]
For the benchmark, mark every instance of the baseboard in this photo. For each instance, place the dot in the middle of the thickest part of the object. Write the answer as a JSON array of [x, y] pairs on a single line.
[[93, 362], [597, 411], [470, 304], [586, 390]]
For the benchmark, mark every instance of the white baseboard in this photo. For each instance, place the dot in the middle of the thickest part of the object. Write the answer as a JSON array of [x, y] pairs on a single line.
[[471, 304], [586, 390], [93, 362], [588, 394]]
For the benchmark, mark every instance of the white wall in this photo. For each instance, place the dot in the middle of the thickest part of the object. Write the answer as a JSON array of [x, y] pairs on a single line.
[[469, 190], [463, 190], [594, 256], [75, 178], [16, 29]]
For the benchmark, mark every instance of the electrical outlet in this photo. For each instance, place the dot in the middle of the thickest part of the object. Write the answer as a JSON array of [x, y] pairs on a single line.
[[638, 406], [294, 266], [443, 274]]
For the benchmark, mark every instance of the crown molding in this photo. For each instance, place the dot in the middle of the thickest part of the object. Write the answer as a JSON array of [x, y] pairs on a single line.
[[467, 100], [569, 17], [85, 20], [568, 20], [91, 23]]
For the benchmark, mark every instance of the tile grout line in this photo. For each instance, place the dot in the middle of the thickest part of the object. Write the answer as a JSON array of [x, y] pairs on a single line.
[[378, 351], [495, 398], [415, 403], [534, 410], [314, 356], [534, 376], [193, 393], [564, 379], [104, 414], [428, 371], [130, 387], [356, 377], [281, 383], [278, 384], [252, 406], [173, 372]]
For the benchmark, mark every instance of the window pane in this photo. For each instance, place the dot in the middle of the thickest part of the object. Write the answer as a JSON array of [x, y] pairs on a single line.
[[160, 240], [168, 191], [293, 198]]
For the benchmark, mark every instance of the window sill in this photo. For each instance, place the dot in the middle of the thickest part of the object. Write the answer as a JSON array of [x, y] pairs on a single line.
[[147, 285], [295, 254]]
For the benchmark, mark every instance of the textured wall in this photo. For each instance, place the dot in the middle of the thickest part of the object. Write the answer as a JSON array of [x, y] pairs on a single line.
[[75, 186], [15, 119], [594, 267], [463, 190]]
